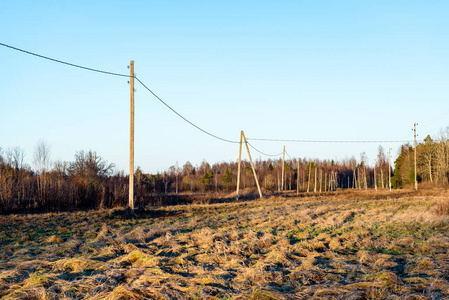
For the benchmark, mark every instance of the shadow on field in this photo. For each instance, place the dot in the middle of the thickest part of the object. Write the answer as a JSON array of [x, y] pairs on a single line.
[[140, 213], [351, 194]]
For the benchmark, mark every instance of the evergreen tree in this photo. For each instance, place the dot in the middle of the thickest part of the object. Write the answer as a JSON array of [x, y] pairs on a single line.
[[227, 177], [396, 179], [207, 178]]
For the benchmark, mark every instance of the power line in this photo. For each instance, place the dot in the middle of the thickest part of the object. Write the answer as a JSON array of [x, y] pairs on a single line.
[[323, 141], [272, 155], [288, 155], [182, 117], [121, 75], [64, 62], [185, 119], [435, 118]]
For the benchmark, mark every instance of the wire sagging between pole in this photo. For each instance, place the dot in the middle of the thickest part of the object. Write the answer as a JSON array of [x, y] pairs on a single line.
[[272, 155], [191, 123], [64, 62], [182, 117], [324, 141]]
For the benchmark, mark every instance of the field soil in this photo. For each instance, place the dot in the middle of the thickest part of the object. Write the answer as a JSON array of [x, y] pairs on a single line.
[[340, 245]]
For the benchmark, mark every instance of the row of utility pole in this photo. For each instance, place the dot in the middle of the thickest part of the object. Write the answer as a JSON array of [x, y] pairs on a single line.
[[242, 138]]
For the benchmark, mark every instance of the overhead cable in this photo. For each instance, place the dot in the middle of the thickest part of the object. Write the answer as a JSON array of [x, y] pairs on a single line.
[[182, 117], [64, 62], [323, 141], [272, 155], [121, 75], [288, 155], [185, 119]]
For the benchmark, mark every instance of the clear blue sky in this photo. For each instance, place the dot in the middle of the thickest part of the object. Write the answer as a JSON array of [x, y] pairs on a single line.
[[325, 70]]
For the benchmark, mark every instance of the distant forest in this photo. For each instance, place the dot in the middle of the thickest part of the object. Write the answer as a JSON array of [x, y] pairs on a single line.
[[90, 182]]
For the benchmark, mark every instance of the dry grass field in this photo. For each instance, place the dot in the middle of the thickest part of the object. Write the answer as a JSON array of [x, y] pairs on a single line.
[[344, 245]]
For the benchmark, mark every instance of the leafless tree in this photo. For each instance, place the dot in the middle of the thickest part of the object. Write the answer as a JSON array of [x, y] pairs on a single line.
[[363, 160], [442, 157], [41, 160], [41, 157], [427, 157], [17, 157], [382, 162]]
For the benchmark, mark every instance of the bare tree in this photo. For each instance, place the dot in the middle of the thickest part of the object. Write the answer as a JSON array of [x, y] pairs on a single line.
[[427, 157], [90, 166], [16, 156], [309, 169], [382, 161], [175, 171], [41, 160], [442, 157], [187, 168], [2, 160], [41, 157], [61, 168], [364, 159]]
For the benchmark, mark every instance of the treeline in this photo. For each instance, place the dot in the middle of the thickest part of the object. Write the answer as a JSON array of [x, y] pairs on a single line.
[[432, 162], [90, 182], [87, 182]]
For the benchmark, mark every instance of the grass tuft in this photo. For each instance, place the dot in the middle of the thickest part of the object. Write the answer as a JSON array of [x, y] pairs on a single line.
[[53, 239]]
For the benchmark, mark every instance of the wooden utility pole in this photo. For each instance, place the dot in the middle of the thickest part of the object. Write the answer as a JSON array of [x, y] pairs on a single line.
[[416, 181], [358, 176], [365, 182], [325, 182], [308, 181], [238, 168], [389, 168], [282, 180], [321, 178], [252, 165], [242, 137], [354, 179], [375, 183], [314, 189], [131, 141], [297, 178], [303, 180], [382, 176]]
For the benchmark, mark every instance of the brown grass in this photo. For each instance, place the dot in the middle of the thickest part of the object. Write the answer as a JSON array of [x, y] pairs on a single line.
[[340, 245]]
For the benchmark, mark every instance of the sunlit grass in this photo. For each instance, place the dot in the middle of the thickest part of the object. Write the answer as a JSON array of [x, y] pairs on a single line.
[[351, 244]]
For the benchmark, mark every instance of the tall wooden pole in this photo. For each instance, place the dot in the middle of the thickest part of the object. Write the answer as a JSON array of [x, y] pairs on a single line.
[[325, 182], [389, 168], [308, 181], [375, 183], [321, 178], [131, 141], [282, 181], [238, 168], [252, 165], [416, 181], [297, 179]]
